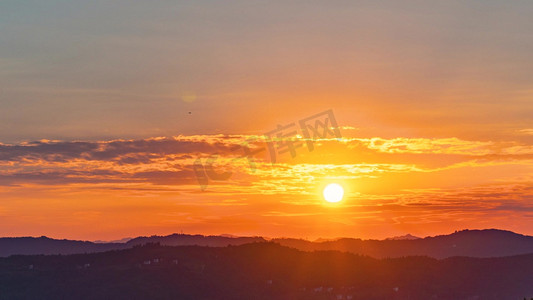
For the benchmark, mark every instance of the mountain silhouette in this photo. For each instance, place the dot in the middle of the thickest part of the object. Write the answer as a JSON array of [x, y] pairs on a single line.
[[263, 270], [472, 243], [403, 237], [44, 245]]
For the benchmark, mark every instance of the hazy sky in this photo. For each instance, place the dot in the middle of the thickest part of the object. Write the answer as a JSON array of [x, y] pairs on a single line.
[[100, 69], [435, 98]]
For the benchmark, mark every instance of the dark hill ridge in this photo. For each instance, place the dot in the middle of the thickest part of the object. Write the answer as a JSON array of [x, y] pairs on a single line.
[[403, 237], [45, 245], [198, 240], [260, 271], [473, 243]]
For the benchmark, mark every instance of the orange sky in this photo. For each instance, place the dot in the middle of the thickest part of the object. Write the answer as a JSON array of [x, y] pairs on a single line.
[[105, 107], [120, 188]]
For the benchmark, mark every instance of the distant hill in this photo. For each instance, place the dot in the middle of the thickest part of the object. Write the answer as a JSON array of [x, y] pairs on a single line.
[[198, 240], [473, 243], [403, 237], [260, 271], [45, 245], [124, 240]]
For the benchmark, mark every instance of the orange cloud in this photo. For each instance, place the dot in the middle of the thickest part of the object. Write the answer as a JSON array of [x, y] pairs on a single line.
[[147, 186]]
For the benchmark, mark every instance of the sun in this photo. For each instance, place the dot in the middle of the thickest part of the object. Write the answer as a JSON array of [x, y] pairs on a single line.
[[333, 192]]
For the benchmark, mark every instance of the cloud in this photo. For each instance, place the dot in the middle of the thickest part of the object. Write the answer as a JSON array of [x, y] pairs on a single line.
[[527, 131], [114, 150], [169, 161], [451, 146]]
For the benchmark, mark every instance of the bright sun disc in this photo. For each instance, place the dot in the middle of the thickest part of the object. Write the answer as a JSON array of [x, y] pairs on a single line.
[[333, 192]]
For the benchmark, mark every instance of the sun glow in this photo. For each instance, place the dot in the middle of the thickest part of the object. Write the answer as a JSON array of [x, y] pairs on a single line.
[[333, 193]]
